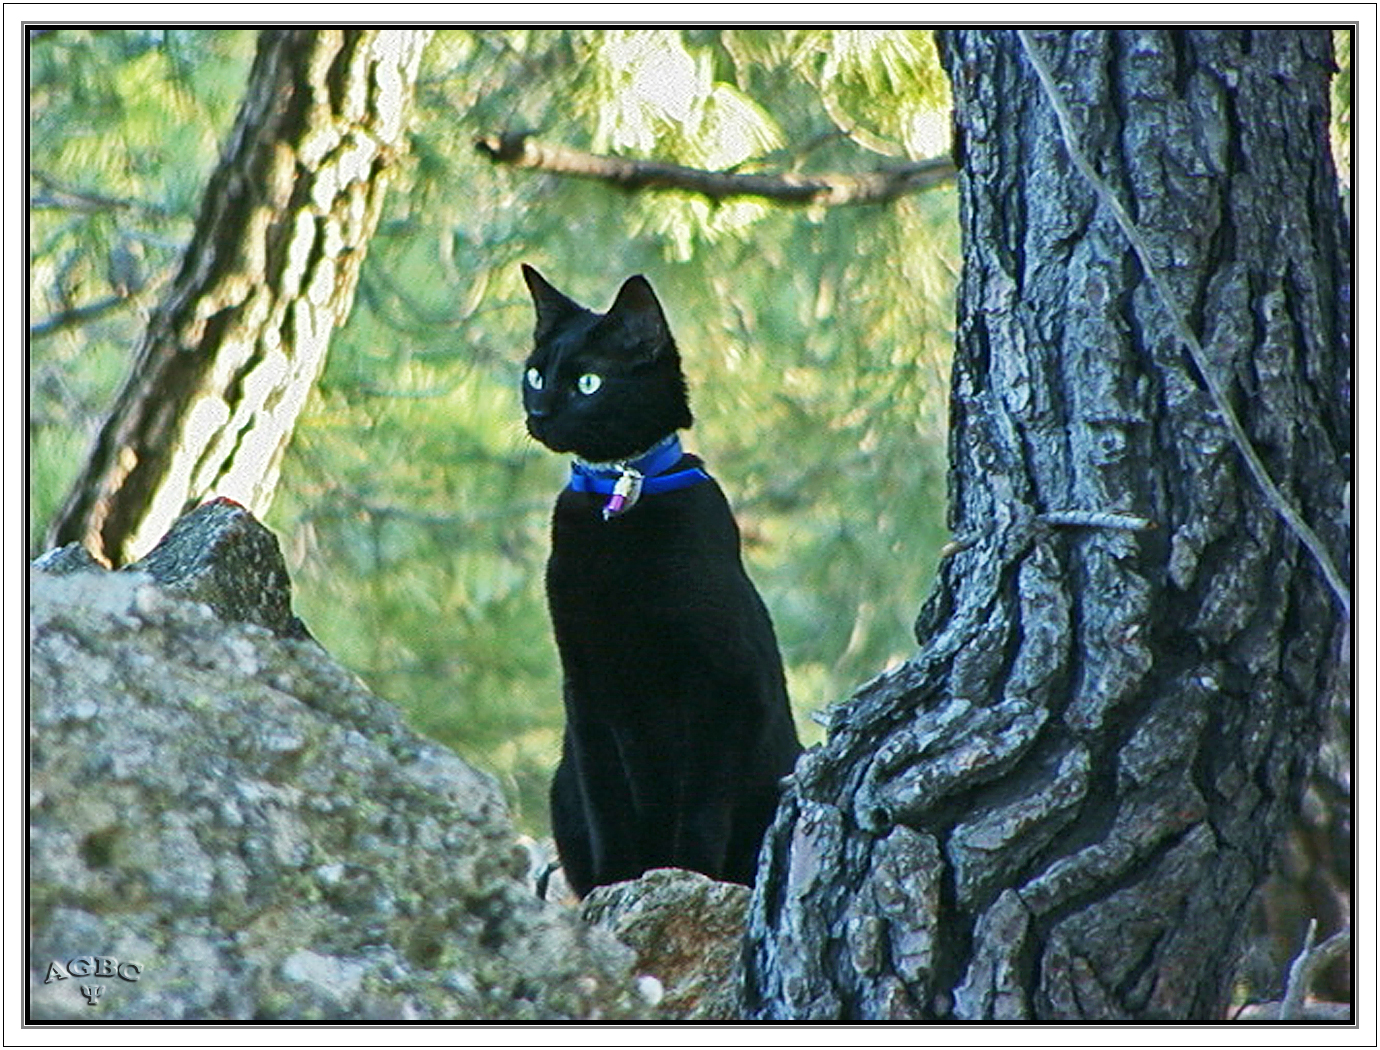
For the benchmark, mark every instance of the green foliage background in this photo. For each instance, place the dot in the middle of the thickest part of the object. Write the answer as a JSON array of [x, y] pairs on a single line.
[[413, 509]]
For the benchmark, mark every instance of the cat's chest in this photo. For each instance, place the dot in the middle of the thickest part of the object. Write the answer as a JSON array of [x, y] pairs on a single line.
[[675, 548]]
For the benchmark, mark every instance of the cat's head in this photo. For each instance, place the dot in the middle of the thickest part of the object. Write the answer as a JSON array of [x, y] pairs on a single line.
[[603, 386]]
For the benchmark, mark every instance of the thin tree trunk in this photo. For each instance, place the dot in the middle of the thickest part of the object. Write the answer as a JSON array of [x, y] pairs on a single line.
[[233, 349], [1060, 808]]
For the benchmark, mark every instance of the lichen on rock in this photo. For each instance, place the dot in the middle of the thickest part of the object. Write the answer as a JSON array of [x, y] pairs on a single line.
[[231, 810]]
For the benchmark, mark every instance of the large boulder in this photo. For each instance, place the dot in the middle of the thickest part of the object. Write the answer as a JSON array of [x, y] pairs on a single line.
[[226, 825]]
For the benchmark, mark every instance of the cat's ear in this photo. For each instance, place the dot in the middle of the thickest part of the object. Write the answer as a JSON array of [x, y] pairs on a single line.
[[636, 317], [552, 306]]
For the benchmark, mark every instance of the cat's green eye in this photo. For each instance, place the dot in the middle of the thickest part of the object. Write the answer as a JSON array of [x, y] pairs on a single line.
[[588, 383], [534, 379]]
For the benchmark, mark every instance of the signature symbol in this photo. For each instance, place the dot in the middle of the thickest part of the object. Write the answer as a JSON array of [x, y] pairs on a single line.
[[92, 992]]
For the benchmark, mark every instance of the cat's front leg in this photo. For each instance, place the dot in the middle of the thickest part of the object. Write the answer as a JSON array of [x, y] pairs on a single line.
[[571, 830], [593, 811]]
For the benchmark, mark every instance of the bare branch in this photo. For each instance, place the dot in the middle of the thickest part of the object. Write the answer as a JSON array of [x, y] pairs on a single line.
[[76, 315], [874, 187], [1309, 961], [135, 294], [64, 196], [1296, 1006]]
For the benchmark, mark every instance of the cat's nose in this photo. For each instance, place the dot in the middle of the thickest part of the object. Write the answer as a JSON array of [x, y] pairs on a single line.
[[537, 413]]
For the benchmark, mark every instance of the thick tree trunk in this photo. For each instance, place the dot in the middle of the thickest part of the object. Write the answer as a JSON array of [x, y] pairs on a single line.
[[1060, 808], [231, 353]]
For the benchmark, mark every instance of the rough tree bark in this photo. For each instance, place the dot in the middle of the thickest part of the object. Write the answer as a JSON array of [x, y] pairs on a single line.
[[233, 349], [1060, 807]]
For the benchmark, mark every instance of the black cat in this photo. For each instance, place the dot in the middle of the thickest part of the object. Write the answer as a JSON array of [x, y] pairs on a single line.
[[678, 730]]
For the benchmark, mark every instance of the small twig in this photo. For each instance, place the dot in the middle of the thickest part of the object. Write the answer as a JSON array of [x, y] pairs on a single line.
[[72, 198], [1299, 971], [1235, 430], [1075, 518], [956, 546], [76, 315], [1095, 519], [1308, 962], [874, 187], [1313, 1010]]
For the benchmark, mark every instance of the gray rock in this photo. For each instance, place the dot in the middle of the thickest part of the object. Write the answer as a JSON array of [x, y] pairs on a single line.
[[60, 561], [687, 931], [226, 825], [219, 554]]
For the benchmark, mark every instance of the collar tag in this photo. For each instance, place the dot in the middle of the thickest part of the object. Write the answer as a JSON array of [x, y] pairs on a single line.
[[626, 481], [626, 491]]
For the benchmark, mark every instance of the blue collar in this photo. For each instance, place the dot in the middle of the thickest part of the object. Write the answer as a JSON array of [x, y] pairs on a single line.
[[626, 481]]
